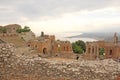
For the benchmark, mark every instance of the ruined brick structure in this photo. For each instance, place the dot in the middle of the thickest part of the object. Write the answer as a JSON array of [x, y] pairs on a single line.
[[111, 49], [43, 44], [22, 67], [48, 44], [12, 28], [12, 36], [10, 31]]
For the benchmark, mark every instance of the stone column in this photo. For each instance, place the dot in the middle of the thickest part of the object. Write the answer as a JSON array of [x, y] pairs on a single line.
[[86, 52], [91, 50], [95, 51]]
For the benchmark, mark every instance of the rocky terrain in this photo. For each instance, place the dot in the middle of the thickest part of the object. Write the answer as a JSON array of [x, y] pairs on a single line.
[[14, 67]]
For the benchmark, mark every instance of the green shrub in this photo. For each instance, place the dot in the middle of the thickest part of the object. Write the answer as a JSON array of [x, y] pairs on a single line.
[[78, 47], [101, 51], [3, 30], [25, 29]]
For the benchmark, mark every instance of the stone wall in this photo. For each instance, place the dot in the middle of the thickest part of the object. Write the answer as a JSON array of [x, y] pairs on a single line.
[[11, 28], [37, 68], [8, 35], [27, 35], [111, 49], [15, 39], [51, 47], [62, 47]]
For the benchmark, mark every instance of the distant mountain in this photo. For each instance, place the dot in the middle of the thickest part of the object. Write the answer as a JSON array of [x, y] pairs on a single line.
[[97, 36]]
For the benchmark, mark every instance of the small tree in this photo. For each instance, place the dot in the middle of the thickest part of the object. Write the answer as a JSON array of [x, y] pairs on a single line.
[[76, 48], [19, 30], [101, 51], [81, 44], [25, 29], [3, 30]]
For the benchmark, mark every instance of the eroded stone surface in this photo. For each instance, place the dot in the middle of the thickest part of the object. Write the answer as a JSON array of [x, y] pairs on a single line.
[[37, 68]]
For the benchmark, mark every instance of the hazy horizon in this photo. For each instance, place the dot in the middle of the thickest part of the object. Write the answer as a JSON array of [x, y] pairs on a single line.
[[65, 35]]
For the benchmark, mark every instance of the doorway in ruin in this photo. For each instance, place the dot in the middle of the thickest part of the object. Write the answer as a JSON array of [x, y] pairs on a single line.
[[44, 50], [110, 52]]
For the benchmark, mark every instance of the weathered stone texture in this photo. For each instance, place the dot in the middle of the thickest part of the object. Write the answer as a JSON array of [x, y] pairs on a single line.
[[37, 68], [111, 49], [48, 45]]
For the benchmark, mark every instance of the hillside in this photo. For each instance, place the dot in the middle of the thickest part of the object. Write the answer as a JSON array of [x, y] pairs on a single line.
[[95, 35]]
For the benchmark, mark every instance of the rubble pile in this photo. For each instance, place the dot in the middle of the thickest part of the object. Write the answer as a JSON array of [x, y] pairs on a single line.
[[6, 53], [37, 68]]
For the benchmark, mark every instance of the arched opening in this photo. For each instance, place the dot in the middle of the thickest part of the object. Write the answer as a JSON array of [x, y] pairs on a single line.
[[35, 46], [67, 48], [59, 47], [92, 50], [110, 52], [29, 45], [64, 48], [44, 50], [88, 50]]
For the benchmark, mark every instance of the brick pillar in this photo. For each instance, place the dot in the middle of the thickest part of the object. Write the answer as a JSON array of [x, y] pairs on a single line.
[[97, 51], [94, 50], [91, 52], [87, 50]]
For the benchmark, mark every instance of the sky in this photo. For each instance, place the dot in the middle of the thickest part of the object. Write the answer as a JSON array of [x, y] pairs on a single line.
[[54, 16]]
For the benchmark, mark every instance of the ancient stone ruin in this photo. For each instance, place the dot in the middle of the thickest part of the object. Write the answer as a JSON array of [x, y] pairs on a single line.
[[37, 68], [111, 49]]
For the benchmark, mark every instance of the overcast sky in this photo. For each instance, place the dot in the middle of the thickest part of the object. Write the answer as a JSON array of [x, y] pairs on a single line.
[[62, 15]]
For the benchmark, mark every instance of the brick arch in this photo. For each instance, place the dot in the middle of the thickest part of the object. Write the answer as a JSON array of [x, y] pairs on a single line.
[[111, 52], [44, 50]]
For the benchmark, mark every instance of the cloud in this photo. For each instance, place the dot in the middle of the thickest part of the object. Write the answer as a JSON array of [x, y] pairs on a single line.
[[39, 8], [84, 21], [61, 15]]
